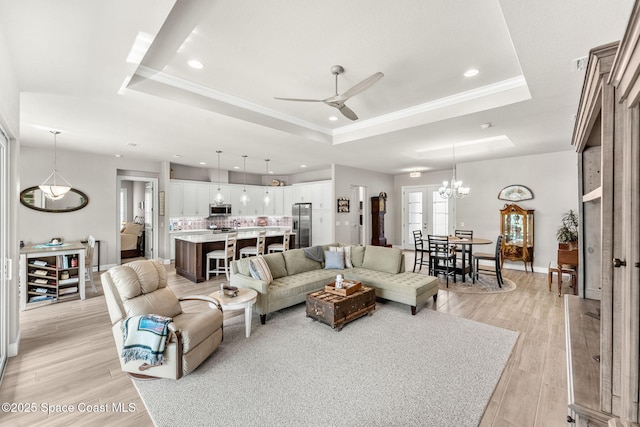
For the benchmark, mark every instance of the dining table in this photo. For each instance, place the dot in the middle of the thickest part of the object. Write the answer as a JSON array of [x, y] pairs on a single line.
[[464, 241]]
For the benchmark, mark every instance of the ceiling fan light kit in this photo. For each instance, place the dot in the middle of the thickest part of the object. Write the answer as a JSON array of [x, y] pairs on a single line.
[[337, 101]]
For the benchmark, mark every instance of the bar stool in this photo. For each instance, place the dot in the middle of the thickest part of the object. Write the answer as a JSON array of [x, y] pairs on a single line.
[[280, 247], [229, 252], [88, 262], [419, 251], [258, 249]]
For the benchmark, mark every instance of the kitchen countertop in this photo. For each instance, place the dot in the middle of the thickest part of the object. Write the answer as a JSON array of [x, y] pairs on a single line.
[[240, 229], [218, 237], [198, 230]]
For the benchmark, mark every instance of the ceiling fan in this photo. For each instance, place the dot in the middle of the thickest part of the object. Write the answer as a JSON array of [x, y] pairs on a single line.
[[338, 100]]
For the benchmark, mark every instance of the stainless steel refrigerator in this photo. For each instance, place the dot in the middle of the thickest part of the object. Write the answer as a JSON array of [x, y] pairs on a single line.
[[301, 213]]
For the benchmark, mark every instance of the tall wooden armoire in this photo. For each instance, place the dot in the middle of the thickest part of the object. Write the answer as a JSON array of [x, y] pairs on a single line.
[[606, 137], [378, 209]]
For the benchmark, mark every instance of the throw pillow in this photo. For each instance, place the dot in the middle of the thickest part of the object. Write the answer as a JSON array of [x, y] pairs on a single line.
[[357, 255], [347, 257], [346, 250], [296, 262], [333, 260], [260, 270]]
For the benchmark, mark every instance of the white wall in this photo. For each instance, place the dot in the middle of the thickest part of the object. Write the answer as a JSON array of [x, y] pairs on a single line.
[[344, 177], [94, 175], [552, 177]]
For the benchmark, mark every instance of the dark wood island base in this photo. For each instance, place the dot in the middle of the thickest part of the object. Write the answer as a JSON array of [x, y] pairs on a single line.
[[191, 251]]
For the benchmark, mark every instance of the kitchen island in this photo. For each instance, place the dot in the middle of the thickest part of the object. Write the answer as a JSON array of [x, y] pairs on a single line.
[[191, 250]]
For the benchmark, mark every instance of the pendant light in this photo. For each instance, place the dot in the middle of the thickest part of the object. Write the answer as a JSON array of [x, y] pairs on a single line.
[[267, 200], [51, 188], [219, 197], [453, 188], [244, 198]]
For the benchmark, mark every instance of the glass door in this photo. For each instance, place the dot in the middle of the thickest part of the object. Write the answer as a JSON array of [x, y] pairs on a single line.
[[5, 275], [424, 210]]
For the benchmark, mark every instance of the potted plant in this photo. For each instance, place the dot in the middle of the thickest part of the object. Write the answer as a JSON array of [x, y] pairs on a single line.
[[567, 233]]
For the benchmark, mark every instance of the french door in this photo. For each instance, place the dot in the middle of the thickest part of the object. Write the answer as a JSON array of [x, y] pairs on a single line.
[[423, 209], [5, 262]]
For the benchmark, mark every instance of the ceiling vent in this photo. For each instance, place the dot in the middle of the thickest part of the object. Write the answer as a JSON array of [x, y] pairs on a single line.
[[580, 64]]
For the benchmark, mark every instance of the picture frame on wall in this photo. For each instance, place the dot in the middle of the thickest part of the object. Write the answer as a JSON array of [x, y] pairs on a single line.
[[343, 205], [515, 192]]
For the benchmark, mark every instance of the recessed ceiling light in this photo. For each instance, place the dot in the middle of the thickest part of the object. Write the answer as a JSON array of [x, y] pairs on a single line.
[[333, 118], [303, 166], [203, 163], [118, 155], [471, 72], [177, 156], [236, 167], [194, 63]]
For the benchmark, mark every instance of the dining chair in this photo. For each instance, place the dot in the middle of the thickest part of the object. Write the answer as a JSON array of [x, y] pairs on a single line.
[[419, 251], [225, 254], [464, 252], [258, 249], [442, 258], [494, 257], [88, 262], [280, 247]]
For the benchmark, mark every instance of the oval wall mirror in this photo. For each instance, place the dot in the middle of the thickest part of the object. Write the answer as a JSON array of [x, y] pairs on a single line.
[[34, 198]]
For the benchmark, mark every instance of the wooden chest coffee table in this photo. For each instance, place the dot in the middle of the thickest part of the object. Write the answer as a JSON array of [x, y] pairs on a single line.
[[336, 310]]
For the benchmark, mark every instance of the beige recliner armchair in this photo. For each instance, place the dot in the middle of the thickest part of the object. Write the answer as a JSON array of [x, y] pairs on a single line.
[[140, 287]]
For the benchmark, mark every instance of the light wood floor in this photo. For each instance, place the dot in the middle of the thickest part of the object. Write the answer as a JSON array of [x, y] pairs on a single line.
[[68, 357]]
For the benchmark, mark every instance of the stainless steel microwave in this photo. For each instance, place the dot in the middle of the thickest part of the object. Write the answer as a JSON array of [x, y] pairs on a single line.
[[219, 210]]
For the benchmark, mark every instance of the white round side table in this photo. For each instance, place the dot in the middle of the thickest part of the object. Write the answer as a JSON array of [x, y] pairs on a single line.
[[245, 299]]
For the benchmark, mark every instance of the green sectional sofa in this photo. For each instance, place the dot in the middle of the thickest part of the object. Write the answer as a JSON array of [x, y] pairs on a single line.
[[294, 275]]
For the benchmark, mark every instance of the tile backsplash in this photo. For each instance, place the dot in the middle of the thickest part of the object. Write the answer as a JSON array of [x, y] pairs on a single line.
[[199, 223]]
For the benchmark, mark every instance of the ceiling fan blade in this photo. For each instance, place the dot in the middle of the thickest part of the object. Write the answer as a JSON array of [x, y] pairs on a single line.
[[299, 99], [347, 112], [364, 84]]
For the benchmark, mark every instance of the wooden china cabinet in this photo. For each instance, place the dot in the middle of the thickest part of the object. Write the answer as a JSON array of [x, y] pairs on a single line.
[[516, 227]]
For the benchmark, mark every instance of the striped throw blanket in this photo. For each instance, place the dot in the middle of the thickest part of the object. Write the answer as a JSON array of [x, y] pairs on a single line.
[[144, 338]]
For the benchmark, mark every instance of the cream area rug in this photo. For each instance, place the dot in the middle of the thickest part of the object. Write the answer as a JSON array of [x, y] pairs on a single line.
[[485, 284], [390, 368]]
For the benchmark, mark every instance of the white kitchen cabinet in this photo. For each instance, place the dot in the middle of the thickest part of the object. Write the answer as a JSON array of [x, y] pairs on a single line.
[[188, 198], [321, 227], [253, 206], [189, 195], [202, 199], [317, 193], [321, 195], [175, 199], [275, 205], [287, 200]]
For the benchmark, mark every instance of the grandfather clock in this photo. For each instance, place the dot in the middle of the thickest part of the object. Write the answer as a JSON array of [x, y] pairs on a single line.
[[378, 209]]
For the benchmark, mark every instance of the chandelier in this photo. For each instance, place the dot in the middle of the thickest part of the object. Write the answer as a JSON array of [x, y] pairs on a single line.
[[454, 187], [51, 188]]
